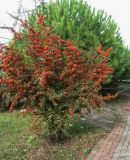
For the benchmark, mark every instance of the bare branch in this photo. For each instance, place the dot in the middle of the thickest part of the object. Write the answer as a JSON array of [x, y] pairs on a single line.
[[4, 27]]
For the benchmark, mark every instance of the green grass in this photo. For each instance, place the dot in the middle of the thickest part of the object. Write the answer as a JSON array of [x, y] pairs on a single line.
[[14, 136], [17, 142]]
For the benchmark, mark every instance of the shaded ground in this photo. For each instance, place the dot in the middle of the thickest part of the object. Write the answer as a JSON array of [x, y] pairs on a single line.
[[109, 115], [111, 112]]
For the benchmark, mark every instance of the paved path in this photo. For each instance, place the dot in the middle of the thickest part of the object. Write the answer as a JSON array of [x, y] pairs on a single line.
[[116, 146]]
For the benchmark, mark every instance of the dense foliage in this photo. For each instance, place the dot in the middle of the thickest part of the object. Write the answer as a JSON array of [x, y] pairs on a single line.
[[52, 75], [76, 20]]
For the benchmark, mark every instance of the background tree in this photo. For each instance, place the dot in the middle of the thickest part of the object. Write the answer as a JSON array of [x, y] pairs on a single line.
[[88, 28]]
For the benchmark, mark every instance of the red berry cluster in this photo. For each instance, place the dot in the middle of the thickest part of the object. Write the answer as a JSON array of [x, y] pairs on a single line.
[[55, 66]]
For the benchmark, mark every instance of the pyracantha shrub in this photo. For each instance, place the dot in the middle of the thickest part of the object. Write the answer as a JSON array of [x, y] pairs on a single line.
[[52, 75]]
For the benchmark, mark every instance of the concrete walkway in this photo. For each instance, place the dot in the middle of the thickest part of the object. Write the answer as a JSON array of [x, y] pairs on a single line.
[[116, 146]]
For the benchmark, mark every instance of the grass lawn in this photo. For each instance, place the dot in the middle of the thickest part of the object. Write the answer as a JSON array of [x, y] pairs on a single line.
[[14, 136], [17, 142]]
